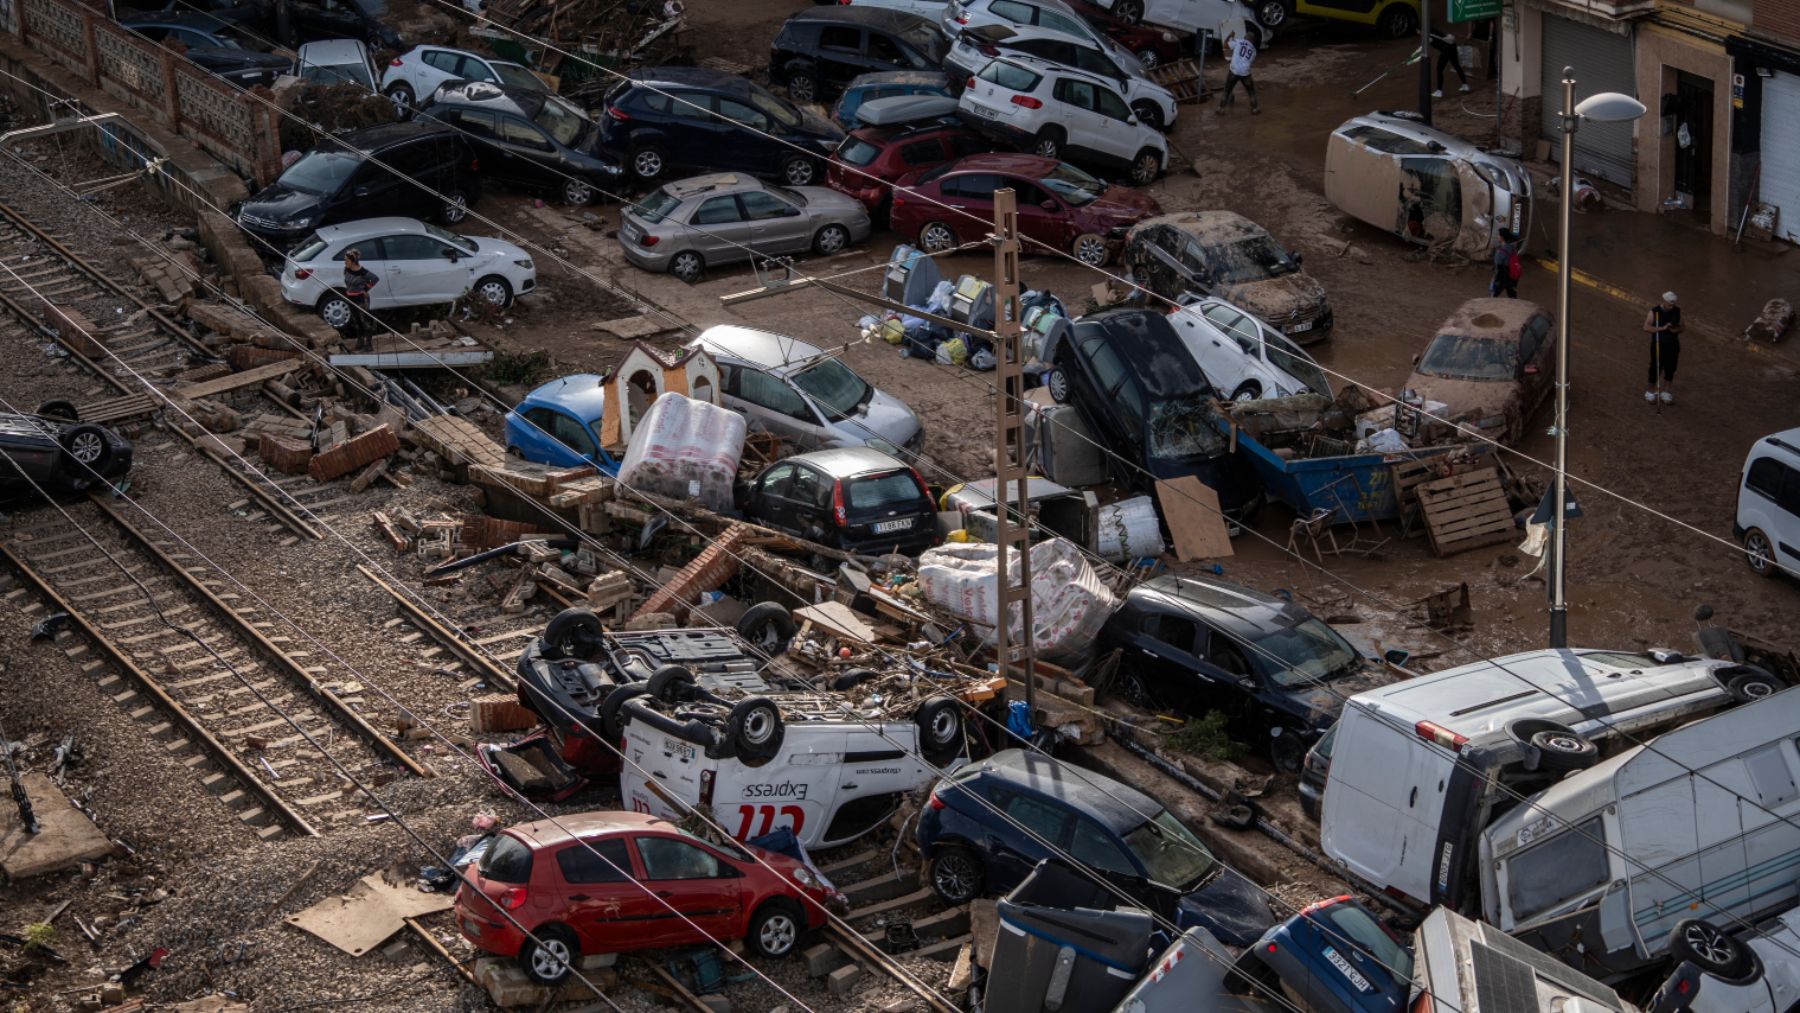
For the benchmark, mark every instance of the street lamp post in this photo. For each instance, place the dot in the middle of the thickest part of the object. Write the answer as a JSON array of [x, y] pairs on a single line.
[[1605, 107]]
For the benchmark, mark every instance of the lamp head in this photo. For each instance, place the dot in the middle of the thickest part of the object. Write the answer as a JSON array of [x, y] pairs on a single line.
[[1609, 107]]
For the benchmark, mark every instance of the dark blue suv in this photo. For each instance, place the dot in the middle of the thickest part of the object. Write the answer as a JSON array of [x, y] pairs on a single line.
[[662, 119], [1111, 828], [1334, 956]]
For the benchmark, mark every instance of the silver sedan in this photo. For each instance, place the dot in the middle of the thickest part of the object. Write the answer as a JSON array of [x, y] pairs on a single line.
[[686, 226]]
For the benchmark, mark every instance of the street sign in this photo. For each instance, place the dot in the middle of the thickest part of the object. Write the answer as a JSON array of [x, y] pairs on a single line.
[[1473, 10]]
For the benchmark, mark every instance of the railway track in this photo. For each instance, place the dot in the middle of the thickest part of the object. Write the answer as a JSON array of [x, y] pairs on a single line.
[[143, 647], [137, 342]]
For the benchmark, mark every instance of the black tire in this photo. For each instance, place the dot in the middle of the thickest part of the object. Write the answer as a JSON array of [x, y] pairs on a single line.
[[1145, 167], [1759, 553], [610, 726], [572, 633], [671, 684], [1272, 13], [1714, 951], [1049, 143], [59, 409], [1753, 685], [831, 239], [89, 451], [494, 290], [936, 237], [775, 928], [1129, 11], [955, 874], [401, 94], [768, 626], [1397, 22], [799, 171], [1058, 383], [455, 207], [549, 954], [802, 83], [1287, 752], [755, 729], [1149, 114], [940, 730], [1560, 749], [1249, 390], [648, 162]]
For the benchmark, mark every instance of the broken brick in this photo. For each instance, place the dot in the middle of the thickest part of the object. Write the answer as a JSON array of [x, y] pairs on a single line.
[[353, 454]]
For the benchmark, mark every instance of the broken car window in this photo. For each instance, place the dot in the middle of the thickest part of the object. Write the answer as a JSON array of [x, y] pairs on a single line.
[[1182, 429], [1171, 854]]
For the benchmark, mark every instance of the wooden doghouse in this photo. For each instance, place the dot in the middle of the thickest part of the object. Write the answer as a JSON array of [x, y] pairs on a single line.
[[645, 375]]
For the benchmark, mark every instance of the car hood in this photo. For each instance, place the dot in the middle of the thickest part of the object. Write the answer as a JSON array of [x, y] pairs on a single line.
[[889, 418], [499, 249], [824, 200], [1233, 909], [1476, 399], [1122, 205], [1278, 298], [278, 202]]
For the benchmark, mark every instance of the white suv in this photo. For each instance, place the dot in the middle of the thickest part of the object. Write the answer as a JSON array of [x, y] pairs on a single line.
[[415, 75], [1060, 112], [1149, 101], [416, 264]]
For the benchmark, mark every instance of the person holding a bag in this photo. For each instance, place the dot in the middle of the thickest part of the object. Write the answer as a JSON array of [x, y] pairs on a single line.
[[1507, 266]]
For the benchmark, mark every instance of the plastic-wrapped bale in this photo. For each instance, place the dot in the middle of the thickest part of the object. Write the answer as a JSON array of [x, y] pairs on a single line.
[[1068, 601], [686, 449]]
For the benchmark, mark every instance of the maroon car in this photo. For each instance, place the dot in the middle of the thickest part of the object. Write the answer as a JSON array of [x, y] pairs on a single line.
[[1152, 46], [898, 139], [1059, 206]]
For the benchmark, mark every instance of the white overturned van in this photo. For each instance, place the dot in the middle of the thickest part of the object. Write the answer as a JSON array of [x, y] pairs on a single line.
[[1700, 822], [1420, 767]]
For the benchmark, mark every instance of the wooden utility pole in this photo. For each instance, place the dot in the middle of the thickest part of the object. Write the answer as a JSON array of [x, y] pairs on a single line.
[[1011, 501]]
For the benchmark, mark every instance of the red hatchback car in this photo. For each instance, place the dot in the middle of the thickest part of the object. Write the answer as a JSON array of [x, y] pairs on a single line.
[[1059, 205], [897, 140], [627, 896]]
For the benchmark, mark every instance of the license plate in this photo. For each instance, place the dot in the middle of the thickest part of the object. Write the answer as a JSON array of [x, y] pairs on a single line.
[[632, 232], [471, 926], [985, 111], [883, 527], [1297, 328], [1351, 973]]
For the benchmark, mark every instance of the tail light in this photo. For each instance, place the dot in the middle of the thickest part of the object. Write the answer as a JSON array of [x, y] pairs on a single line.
[[898, 201], [963, 18], [706, 779], [648, 240], [935, 802], [1442, 736], [1271, 947], [615, 113], [474, 165], [1027, 101], [971, 82], [302, 273], [395, 62], [512, 899], [837, 503]]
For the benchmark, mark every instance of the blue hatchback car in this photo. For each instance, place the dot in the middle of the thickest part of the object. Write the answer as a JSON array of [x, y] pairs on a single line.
[[1111, 827], [1335, 956], [559, 424]]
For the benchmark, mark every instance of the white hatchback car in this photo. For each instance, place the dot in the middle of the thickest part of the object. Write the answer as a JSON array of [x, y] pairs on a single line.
[[417, 264], [416, 74], [1245, 358], [1149, 101], [1768, 505], [1060, 112]]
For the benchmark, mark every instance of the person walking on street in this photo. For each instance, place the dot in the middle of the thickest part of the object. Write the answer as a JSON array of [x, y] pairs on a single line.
[[1445, 45], [1663, 323], [358, 280], [1507, 266], [1243, 53]]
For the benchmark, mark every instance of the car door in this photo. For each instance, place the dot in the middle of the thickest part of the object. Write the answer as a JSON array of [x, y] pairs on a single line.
[[371, 191], [1120, 137], [436, 272], [416, 165], [574, 445], [973, 193], [720, 232], [703, 889], [1165, 652], [482, 130], [1536, 344], [1080, 116], [601, 901], [433, 68], [526, 154], [840, 55], [769, 497], [776, 226], [883, 52], [471, 68], [808, 503], [1041, 216], [1227, 682], [774, 407], [749, 137], [1015, 845], [1237, 349], [694, 137]]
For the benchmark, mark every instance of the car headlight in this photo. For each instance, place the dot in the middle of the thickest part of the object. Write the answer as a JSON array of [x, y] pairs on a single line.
[[804, 876], [1492, 175], [526, 264], [304, 221]]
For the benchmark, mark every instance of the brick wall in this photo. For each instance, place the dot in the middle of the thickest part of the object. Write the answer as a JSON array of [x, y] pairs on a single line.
[[1780, 18]]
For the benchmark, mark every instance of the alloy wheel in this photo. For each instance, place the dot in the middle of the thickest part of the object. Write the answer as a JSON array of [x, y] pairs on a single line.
[[86, 448], [936, 238], [577, 192], [551, 959], [778, 934], [798, 172], [648, 163], [1091, 250], [1758, 552]]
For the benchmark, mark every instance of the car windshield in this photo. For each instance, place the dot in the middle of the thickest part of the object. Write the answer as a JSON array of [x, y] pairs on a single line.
[[1072, 185], [834, 385], [1171, 854], [893, 488], [1181, 429], [1310, 651], [517, 76], [1251, 259], [561, 120], [452, 238], [338, 73], [1297, 364], [1353, 927], [776, 109], [856, 151], [1461, 357], [656, 207], [321, 172]]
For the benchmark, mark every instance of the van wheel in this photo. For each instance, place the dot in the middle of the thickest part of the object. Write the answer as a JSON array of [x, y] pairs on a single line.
[[58, 409], [768, 626], [956, 874], [1560, 749], [551, 956], [1753, 685], [572, 633], [671, 684], [1759, 553], [610, 725], [755, 728], [775, 928], [1713, 951], [940, 730], [1250, 390]]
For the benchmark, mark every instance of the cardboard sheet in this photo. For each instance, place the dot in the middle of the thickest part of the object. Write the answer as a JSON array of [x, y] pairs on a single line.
[[1191, 510], [373, 910]]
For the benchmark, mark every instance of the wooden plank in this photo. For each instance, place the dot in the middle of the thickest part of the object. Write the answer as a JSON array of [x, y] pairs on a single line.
[[272, 371], [1191, 509], [839, 620]]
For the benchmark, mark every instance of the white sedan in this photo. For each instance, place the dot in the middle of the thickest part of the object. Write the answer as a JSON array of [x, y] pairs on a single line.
[[417, 264], [1717, 972], [1244, 357], [414, 76]]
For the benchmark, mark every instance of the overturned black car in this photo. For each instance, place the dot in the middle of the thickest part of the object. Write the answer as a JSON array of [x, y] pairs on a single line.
[[54, 452]]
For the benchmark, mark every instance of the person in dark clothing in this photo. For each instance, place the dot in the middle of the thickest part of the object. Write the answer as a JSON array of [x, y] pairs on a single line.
[[1483, 31], [1505, 255], [358, 280], [1445, 45], [1663, 323]]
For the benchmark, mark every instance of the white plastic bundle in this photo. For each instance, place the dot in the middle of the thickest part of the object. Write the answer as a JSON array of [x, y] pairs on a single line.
[[1069, 604], [686, 449]]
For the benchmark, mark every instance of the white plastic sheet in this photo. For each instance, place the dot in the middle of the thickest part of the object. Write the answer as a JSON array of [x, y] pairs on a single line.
[[1068, 601], [686, 449]]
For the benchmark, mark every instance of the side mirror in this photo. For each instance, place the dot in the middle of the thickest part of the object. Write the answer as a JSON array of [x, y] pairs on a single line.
[[1415, 360], [1131, 120], [361, 191], [451, 255]]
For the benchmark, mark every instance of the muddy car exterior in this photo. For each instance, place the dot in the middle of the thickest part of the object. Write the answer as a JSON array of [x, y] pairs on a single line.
[[1224, 254], [1426, 186], [1492, 362]]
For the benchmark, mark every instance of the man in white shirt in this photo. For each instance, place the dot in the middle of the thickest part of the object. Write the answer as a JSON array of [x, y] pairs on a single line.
[[1242, 52]]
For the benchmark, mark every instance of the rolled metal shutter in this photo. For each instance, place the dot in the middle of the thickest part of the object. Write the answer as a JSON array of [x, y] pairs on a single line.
[[1780, 181], [1602, 62]]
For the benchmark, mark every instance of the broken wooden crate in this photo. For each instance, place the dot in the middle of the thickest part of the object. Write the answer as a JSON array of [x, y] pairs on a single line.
[[1466, 511]]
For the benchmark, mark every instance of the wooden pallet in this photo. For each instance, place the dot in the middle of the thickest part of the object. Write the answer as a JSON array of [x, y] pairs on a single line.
[[1465, 511], [118, 409], [1182, 78]]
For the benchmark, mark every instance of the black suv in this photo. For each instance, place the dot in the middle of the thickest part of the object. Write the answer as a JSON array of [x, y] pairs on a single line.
[[854, 498], [1279, 674], [57, 452], [341, 181], [651, 133], [818, 52], [527, 138], [1144, 396]]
